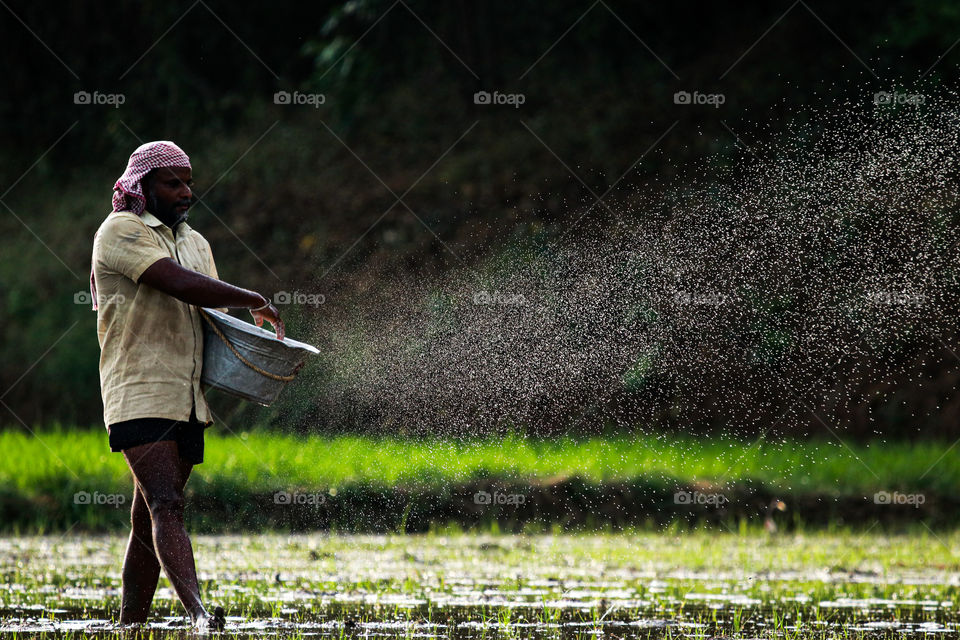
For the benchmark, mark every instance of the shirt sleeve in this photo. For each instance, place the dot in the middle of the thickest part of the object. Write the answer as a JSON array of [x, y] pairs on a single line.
[[126, 246]]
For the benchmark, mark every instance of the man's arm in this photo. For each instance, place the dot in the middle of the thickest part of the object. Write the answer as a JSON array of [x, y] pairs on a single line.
[[167, 276], [212, 269]]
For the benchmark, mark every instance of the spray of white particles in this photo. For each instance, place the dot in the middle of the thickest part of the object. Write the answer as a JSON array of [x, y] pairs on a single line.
[[748, 294]]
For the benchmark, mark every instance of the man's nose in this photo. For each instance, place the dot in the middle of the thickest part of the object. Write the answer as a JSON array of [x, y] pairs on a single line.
[[185, 192]]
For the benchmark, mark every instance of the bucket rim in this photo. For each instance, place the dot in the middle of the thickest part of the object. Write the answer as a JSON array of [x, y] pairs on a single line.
[[227, 321]]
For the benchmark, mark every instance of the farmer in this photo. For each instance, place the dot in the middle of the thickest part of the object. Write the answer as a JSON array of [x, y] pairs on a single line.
[[150, 271]]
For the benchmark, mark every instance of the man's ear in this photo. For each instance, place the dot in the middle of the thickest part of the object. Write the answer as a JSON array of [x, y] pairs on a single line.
[[146, 183]]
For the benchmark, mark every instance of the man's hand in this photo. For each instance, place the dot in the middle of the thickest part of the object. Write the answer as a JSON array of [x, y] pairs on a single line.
[[271, 315]]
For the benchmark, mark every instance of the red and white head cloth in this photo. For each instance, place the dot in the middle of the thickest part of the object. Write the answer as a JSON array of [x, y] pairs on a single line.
[[128, 192]]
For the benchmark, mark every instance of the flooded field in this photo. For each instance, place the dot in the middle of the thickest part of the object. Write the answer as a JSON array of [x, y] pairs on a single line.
[[630, 585]]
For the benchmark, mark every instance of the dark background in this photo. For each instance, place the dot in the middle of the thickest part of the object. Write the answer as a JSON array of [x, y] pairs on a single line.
[[298, 198]]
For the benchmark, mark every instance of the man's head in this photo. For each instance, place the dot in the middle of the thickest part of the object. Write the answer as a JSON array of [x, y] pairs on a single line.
[[168, 193], [159, 170]]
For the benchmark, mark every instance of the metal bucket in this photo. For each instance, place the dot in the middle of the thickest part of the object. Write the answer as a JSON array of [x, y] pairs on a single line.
[[223, 370]]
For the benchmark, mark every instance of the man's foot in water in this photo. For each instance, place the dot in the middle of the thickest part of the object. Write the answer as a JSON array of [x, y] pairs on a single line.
[[207, 623]]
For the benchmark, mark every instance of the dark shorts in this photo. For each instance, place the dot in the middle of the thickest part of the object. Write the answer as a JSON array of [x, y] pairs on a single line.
[[132, 433]]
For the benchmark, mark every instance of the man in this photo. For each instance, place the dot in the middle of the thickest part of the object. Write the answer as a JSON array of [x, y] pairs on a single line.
[[150, 271]]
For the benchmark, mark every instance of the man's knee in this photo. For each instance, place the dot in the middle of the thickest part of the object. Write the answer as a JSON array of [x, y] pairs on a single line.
[[166, 504]]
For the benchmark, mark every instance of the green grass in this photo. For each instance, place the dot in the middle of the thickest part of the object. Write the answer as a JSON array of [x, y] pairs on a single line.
[[261, 460], [58, 462]]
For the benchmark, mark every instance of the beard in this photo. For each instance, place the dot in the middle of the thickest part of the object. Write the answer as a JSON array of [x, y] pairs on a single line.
[[167, 213]]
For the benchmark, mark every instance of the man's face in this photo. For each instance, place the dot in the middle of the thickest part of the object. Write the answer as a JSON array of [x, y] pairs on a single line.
[[169, 194]]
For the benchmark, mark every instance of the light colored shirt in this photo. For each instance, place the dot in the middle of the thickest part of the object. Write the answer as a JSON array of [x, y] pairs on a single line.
[[151, 344]]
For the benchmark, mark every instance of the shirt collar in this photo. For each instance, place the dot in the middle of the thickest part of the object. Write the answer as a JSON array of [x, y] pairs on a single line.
[[150, 219], [153, 221]]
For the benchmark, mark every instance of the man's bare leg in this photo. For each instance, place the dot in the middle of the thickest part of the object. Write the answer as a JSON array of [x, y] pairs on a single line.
[[141, 570], [159, 474]]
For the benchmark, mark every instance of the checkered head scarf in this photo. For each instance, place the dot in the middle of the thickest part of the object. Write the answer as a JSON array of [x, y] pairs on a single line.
[[128, 192]]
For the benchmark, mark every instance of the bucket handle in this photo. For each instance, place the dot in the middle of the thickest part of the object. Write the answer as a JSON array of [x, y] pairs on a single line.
[[216, 330]]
